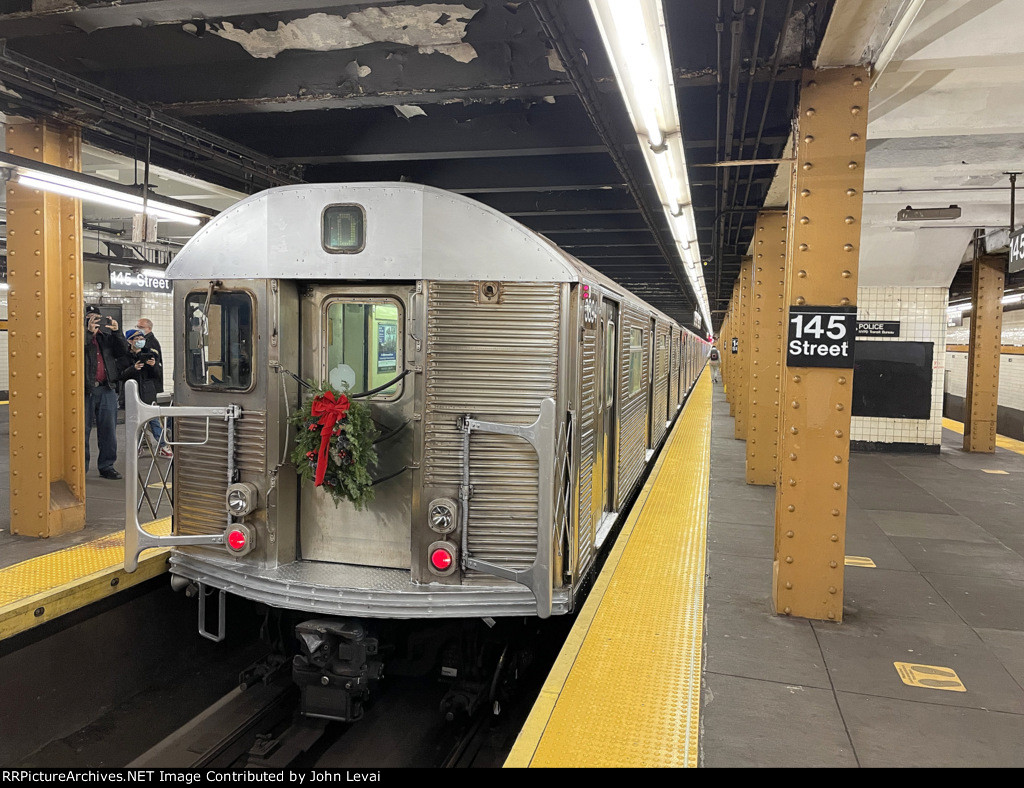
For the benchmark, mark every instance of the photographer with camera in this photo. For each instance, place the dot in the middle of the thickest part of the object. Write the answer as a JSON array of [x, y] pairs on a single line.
[[106, 357], [147, 369]]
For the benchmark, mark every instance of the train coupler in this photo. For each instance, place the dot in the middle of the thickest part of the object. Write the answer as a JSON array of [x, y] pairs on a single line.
[[336, 668]]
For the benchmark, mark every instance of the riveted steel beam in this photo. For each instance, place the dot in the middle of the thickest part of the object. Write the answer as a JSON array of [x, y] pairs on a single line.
[[766, 345], [814, 422], [742, 357], [44, 271], [982, 401]]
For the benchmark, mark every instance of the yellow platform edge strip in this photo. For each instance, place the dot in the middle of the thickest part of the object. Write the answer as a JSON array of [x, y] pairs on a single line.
[[49, 586], [1001, 440], [559, 731]]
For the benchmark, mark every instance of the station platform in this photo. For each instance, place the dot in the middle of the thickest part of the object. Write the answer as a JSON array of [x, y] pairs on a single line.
[[925, 670], [43, 579]]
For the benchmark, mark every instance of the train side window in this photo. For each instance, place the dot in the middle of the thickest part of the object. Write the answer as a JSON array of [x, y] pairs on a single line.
[[636, 360], [364, 345], [218, 340]]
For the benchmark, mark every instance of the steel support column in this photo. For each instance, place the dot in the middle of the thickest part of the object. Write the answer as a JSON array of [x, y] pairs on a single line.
[[44, 270], [730, 321], [981, 404], [814, 422], [766, 345], [741, 393]]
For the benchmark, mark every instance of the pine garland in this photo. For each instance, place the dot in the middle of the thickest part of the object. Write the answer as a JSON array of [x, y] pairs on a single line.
[[349, 447]]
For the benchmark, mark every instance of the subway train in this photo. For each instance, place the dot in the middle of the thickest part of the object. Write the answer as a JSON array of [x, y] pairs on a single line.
[[518, 397]]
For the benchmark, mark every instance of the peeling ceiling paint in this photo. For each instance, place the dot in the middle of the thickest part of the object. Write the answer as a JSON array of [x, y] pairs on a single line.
[[434, 27]]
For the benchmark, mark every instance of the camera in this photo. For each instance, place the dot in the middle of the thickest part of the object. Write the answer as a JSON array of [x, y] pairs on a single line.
[[146, 355]]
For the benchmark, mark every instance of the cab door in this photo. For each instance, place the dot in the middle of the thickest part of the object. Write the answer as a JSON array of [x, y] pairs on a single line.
[[355, 338]]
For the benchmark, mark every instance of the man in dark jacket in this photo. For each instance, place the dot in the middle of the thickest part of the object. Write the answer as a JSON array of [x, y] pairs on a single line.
[[106, 357], [145, 325], [146, 369]]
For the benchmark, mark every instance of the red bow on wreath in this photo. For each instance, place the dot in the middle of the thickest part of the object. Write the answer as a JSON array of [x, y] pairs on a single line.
[[329, 411]]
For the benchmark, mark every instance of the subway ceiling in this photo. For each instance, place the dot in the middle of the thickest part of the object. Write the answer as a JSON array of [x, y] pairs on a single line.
[[511, 103]]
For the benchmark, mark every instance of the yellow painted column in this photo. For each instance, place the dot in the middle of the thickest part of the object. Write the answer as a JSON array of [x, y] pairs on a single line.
[[766, 359], [742, 357], [981, 405], [44, 270], [814, 424], [727, 350]]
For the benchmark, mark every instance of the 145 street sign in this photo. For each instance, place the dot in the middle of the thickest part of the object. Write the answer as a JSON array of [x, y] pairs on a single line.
[[821, 336]]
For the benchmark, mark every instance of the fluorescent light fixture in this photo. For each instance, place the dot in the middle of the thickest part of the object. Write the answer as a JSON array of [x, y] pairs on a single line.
[[634, 35], [69, 188], [45, 177]]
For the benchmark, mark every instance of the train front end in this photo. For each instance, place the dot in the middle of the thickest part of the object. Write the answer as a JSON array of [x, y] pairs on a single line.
[[445, 322]]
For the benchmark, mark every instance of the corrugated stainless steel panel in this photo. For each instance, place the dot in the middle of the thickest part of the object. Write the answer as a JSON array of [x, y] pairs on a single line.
[[200, 471], [588, 445], [633, 413], [496, 361]]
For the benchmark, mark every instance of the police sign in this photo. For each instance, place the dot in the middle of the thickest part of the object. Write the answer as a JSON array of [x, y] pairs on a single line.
[[821, 336]]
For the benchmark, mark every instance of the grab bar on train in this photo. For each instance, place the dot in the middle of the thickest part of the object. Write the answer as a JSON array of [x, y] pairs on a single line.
[[136, 416], [542, 436]]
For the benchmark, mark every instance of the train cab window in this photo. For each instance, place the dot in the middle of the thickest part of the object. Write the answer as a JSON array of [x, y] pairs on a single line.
[[218, 340], [636, 360], [364, 345], [343, 229]]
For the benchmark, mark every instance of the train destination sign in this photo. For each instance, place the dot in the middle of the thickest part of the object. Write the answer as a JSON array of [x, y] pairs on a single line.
[[821, 336], [878, 328]]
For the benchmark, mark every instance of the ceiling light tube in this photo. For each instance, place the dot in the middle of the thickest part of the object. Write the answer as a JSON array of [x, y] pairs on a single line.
[[635, 38], [109, 197]]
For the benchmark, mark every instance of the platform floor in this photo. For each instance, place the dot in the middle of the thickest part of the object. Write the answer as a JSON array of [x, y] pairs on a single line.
[[946, 535]]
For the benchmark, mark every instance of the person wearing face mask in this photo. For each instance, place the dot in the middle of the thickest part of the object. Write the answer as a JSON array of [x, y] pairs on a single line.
[[147, 370]]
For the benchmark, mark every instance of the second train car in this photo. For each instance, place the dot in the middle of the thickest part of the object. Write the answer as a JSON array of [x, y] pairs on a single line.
[[522, 393]]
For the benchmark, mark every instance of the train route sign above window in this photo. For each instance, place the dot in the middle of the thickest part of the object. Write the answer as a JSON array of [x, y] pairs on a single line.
[[878, 328], [821, 336]]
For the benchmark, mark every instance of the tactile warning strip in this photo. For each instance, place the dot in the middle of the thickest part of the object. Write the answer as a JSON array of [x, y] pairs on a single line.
[[625, 691], [50, 585], [1003, 442]]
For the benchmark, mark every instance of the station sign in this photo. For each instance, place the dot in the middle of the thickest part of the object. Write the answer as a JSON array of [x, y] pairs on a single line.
[[1016, 251], [130, 280], [821, 336], [878, 328], [735, 345]]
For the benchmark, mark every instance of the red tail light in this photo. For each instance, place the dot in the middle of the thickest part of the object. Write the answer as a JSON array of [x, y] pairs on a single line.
[[441, 559], [237, 540]]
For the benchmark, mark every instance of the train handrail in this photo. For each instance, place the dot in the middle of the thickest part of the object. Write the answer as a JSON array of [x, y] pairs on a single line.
[[542, 436], [136, 416]]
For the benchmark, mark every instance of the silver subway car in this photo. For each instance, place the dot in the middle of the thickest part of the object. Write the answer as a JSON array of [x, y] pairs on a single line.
[[520, 396]]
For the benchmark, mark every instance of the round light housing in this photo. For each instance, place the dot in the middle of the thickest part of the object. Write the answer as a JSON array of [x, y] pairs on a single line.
[[241, 498], [442, 558], [240, 539], [442, 515]]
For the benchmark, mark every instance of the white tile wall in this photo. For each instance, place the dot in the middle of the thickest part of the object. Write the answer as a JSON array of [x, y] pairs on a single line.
[[922, 315], [1011, 367], [134, 304]]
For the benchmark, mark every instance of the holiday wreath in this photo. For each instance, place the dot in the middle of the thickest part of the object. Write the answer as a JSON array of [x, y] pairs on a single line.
[[334, 445]]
